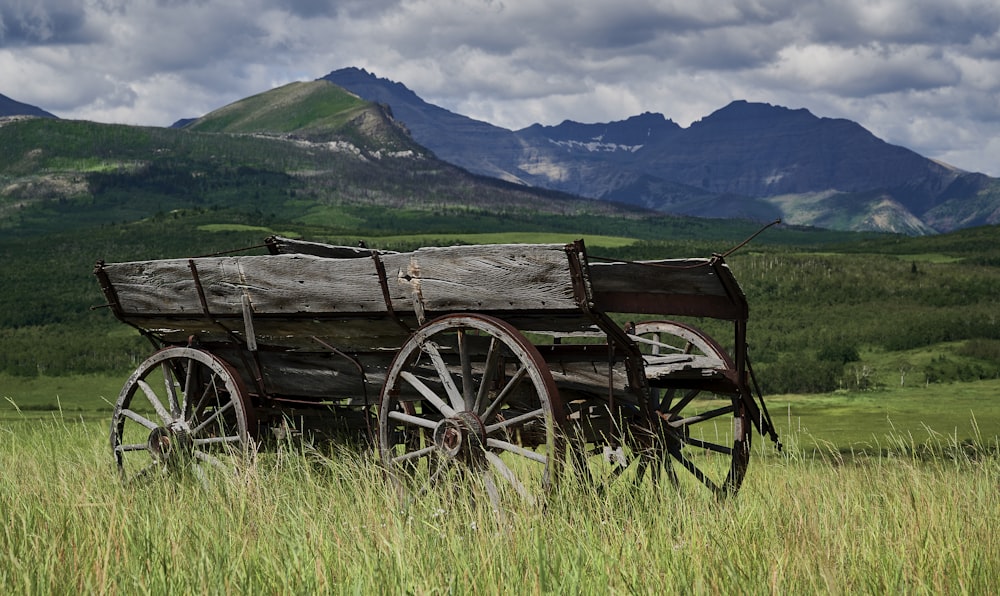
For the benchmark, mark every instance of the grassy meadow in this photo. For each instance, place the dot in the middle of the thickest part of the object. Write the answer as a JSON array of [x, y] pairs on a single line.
[[880, 354], [894, 491]]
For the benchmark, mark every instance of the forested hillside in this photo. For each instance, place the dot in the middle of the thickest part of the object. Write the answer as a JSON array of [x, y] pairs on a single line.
[[825, 314], [828, 309]]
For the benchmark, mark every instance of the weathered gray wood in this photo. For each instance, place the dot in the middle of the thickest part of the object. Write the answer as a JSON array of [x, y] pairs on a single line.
[[291, 246], [360, 334], [485, 278], [314, 376], [686, 366], [465, 278], [273, 284]]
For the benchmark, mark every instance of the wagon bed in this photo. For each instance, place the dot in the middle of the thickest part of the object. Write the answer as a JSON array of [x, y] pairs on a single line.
[[322, 328]]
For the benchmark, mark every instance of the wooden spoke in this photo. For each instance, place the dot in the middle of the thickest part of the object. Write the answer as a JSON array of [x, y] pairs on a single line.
[[154, 401], [468, 382], [517, 420], [134, 447], [146, 422], [199, 409], [512, 448], [695, 471], [171, 387], [704, 416], [507, 391], [427, 392], [507, 474], [687, 399], [213, 418], [444, 375], [214, 440], [188, 387], [709, 446], [415, 454], [414, 420], [489, 371]]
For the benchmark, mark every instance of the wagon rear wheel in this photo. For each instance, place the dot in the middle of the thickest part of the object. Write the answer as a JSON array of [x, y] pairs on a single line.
[[469, 399], [694, 433], [182, 408]]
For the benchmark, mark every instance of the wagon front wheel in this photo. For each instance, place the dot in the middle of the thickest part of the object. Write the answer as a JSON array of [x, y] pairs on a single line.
[[182, 408], [468, 399]]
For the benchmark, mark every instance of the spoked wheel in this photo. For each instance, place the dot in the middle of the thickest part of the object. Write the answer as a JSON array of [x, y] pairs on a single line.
[[469, 399], [182, 408], [690, 437]]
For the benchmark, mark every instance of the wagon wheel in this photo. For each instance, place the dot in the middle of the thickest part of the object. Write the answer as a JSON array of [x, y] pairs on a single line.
[[692, 437], [468, 397], [182, 407]]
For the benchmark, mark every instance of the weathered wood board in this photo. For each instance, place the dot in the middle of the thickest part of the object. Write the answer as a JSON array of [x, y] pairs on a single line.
[[691, 287], [464, 278]]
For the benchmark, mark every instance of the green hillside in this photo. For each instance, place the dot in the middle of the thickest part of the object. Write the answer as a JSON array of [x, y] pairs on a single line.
[[828, 309], [293, 107], [57, 175], [317, 111]]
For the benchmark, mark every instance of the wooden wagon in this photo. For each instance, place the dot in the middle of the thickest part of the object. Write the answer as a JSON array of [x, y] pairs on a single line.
[[518, 365]]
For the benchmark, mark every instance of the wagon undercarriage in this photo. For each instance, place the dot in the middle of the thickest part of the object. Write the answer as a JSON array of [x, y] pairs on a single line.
[[521, 366]]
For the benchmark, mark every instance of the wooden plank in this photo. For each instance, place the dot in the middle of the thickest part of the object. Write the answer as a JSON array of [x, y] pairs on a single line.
[[463, 278], [345, 334], [498, 277], [318, 249], [679, 276], [273, 284], [687, 287], [314, 376]]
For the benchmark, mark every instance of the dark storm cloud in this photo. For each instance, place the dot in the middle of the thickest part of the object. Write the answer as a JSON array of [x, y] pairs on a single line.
[[43, 22]]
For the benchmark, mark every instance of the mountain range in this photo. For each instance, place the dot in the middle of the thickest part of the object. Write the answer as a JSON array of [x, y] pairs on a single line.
[[751, 160], [354, 137]]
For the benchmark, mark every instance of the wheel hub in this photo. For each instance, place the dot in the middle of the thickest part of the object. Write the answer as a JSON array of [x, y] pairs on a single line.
[[461, 436], [169, 444]]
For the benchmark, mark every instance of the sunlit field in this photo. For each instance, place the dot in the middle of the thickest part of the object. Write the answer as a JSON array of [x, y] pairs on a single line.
[[870, 502]]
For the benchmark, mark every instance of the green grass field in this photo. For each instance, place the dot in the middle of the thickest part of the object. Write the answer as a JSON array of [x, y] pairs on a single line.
[[875, 492], [842, 420], [296, 522]]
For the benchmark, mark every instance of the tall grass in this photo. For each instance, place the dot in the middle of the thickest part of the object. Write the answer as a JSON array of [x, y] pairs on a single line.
[[296, 520]]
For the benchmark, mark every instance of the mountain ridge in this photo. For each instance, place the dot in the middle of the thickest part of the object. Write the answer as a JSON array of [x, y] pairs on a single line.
[[742, 159], [301, 153], [745, 160], [10, 107]]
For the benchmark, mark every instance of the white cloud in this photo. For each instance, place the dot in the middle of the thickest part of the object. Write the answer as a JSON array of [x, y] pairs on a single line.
[[922, 73]]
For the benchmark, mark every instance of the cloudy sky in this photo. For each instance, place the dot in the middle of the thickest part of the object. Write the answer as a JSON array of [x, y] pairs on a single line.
[[924, 74]]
